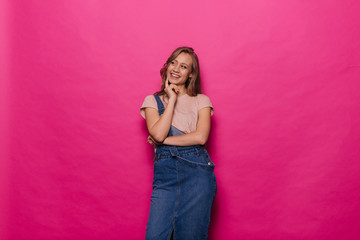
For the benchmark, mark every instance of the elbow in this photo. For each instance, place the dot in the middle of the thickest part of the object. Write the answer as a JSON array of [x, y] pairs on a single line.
[[202, 139], [157, 135], [158, 138]]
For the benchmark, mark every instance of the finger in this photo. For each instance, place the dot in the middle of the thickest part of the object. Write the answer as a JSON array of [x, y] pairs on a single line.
[[166, 83], [173, 87], [170, 88], [151, 140], [176, 88]]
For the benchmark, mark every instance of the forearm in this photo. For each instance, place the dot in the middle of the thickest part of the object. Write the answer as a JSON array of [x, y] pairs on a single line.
[[198, 137], [160, 129], [188, 139]]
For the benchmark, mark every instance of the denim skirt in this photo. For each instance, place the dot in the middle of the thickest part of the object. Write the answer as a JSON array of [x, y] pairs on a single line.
[[184, 188]]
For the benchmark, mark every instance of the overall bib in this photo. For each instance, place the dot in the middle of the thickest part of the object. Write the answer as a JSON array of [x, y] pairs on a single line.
[[184, 188]]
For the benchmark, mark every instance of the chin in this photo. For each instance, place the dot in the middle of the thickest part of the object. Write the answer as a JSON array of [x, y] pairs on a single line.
[[177, 81]]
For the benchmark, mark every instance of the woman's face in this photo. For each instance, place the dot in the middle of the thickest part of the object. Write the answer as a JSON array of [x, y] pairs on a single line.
[[179, 69]]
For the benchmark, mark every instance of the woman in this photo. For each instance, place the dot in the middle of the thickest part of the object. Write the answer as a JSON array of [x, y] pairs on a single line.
[[178, 121]]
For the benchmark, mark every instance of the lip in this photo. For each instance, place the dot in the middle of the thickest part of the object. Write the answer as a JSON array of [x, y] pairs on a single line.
[[174, 75]]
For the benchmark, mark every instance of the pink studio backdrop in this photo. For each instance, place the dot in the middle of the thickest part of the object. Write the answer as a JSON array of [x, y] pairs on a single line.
[[283, 77]]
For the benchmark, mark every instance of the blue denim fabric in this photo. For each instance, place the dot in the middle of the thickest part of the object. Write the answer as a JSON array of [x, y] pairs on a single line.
[[184, 188]]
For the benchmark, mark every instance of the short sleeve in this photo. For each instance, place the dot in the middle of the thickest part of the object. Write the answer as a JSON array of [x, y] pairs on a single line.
[[148, 102], [204, 101]]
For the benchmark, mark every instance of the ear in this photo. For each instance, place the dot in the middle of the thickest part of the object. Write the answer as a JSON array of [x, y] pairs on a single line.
[[190, 75]]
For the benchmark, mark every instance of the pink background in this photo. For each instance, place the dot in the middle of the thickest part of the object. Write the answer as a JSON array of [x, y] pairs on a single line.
[[283, 77]]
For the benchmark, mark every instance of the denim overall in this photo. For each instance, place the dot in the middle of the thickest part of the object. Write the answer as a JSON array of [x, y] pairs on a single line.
[[184, 188]]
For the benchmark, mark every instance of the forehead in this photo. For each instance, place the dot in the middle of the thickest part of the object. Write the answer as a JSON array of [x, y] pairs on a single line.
[[184, 58]]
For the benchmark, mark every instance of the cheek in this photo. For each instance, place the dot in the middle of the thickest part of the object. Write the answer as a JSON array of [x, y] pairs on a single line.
[[168, 71], [185, 72]]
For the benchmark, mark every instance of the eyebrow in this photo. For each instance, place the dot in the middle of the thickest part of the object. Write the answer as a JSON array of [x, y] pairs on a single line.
[[181, 63]]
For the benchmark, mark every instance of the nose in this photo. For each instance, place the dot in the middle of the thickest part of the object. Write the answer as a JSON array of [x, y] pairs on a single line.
[[177, 68]]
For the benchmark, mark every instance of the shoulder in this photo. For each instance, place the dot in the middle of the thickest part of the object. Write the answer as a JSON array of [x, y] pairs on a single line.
[[149, 97], [149, 102], [203, 99], [201, 96]]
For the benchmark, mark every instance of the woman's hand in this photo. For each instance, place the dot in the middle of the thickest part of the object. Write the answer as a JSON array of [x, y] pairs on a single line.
[[153, 142], [171, 90]]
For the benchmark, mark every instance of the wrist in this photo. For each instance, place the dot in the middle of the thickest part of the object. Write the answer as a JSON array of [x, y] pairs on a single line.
[[172, 100]]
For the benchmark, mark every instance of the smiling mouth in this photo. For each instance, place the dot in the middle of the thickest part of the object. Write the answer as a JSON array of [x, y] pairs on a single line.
[[175, 75]]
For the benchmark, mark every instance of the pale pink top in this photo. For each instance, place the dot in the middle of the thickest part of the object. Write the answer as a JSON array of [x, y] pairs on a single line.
[[186, 110]]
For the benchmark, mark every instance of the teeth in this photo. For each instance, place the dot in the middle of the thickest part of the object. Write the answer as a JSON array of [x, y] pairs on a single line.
[[175, 75]]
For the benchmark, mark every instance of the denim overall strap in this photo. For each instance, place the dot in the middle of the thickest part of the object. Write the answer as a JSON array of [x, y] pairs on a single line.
[[160, 105]]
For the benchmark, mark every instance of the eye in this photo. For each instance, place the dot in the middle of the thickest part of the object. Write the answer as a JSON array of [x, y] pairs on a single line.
[[172, 62], [184, 67]]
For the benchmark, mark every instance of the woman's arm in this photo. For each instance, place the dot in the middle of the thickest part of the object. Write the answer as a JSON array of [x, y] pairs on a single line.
[[159, 126], [199, 136]]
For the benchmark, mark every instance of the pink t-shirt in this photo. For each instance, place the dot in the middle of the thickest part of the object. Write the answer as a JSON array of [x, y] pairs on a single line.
[[185, 112]]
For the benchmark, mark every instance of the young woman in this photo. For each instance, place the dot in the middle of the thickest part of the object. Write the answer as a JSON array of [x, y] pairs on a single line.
[[178, 121]]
